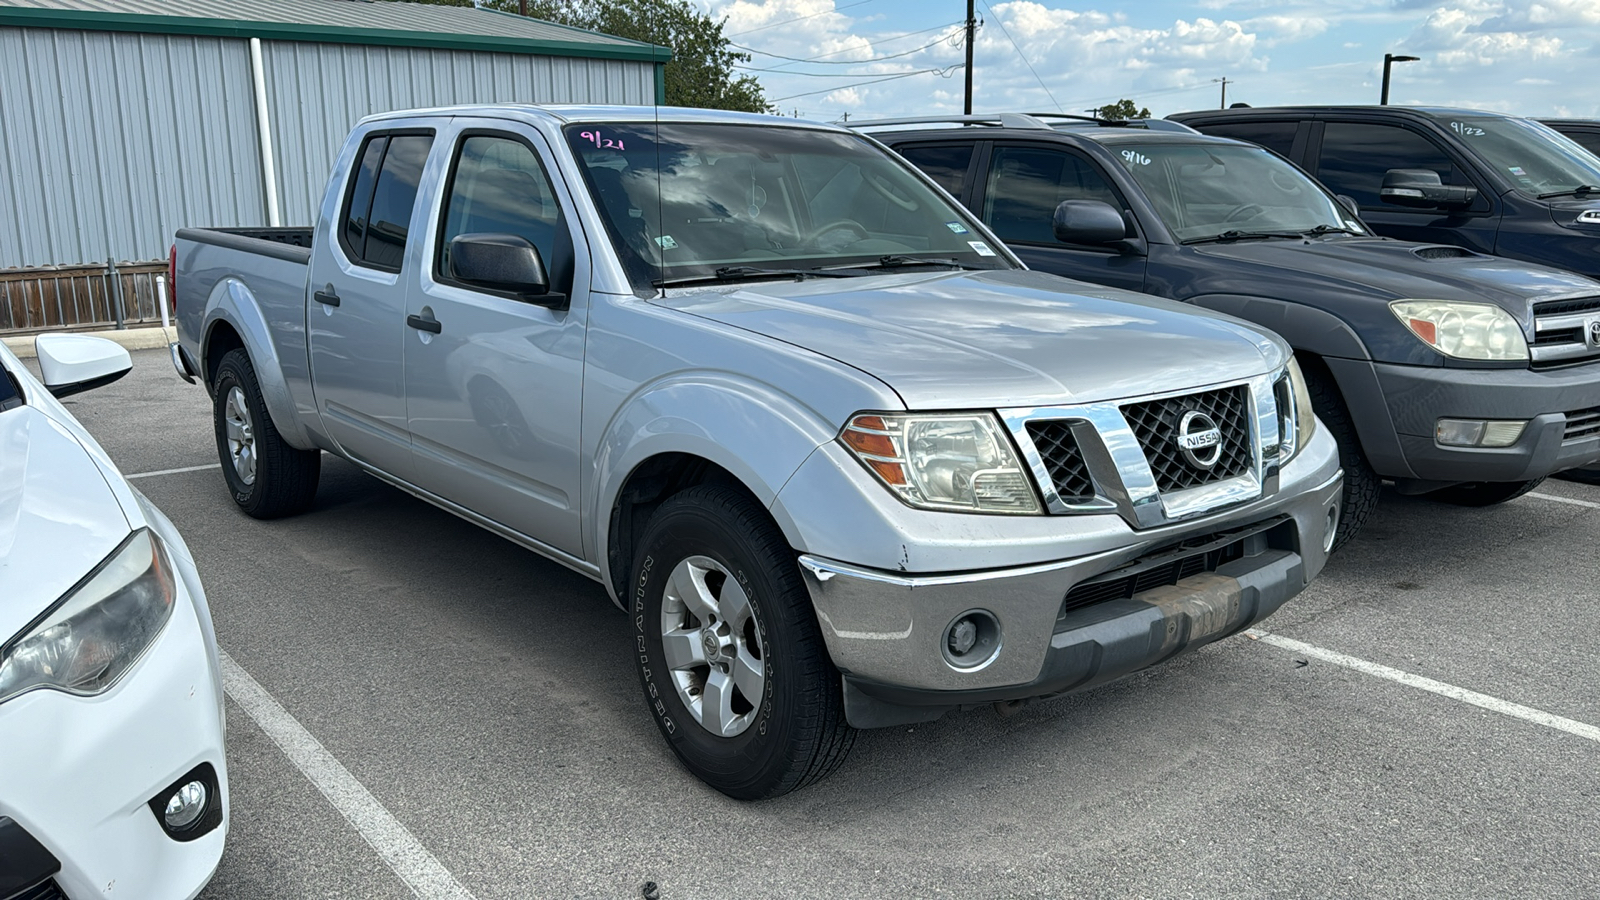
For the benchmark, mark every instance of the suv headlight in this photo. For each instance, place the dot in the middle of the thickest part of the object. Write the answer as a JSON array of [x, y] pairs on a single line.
[[99, 629], [1463, 330], [961, 462], [1296, 420]]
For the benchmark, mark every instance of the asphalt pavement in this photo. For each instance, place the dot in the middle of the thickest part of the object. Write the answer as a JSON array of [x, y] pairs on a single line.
[[485, 700]]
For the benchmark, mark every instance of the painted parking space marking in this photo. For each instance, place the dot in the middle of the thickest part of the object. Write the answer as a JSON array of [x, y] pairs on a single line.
[[394, 843], [1377, 670], [173, 471], [1553, 498]]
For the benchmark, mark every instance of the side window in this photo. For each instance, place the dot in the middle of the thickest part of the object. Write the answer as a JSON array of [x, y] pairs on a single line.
[[1275, 136], [498, 186], [393, 197], [1026, 184], [1355, 156], [946, 165], [358, 202], [1588, 140]]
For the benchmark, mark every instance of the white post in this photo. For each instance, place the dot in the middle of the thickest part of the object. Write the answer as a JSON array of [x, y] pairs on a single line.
[[161, 296], [269, 170]]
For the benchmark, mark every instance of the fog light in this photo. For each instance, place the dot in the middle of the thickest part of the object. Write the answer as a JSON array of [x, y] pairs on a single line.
[[1478, 432], [185, 805], [972, 640]]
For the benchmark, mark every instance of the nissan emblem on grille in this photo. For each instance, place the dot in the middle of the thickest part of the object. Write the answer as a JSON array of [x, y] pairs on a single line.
[[1200, 439]]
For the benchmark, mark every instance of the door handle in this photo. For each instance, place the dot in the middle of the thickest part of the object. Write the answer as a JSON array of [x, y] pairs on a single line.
[[431, 326], [327, 296]]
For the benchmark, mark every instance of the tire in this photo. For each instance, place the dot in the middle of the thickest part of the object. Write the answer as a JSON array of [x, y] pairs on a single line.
[[1483, 493], [1586, 475], [267, 477], [1361, 483], [782, 726]]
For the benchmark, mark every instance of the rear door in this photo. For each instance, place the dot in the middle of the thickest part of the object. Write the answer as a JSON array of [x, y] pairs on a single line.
[[355, 313], [494, 381]]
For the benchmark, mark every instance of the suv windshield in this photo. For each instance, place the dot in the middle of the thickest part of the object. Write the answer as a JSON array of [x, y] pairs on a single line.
[[701, 201], [1204, 191], [1537, 159]]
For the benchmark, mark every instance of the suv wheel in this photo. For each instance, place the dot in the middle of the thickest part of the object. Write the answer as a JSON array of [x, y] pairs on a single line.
[[1483, 493], [267, 477], [1361, 483]]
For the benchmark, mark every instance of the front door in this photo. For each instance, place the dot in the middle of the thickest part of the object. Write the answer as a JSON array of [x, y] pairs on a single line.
[[494, 380]]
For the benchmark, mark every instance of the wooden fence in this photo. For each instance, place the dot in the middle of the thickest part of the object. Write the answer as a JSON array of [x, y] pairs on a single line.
[[80, 297]]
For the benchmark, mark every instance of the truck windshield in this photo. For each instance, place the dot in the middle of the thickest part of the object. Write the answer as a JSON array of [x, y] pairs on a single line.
[[1537, 160], [1209, 191], [692, 201]]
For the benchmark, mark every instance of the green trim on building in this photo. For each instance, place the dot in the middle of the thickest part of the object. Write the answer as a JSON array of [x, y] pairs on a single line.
[[281, 31], [661, 84]]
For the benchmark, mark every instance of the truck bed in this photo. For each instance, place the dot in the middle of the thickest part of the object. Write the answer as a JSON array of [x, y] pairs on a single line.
[[293, 244]]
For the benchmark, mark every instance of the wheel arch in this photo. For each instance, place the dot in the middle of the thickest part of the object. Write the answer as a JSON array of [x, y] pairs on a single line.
[[234, 320]]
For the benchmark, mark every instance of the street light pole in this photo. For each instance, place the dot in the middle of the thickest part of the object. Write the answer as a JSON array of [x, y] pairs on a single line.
[[1390, 59], [972, 30]]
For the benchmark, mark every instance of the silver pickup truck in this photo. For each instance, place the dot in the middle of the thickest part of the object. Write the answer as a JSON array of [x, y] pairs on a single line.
[[844, 461]]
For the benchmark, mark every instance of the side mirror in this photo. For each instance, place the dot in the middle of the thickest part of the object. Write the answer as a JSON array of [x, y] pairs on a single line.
[[1349, 203], [1422, 189], [505, 263], [1087, 222], [73, 363]]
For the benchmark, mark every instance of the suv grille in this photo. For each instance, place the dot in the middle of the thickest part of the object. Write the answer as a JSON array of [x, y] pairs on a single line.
[[1560, 332], [1582, 423], [1155, 424], [1062, 459]]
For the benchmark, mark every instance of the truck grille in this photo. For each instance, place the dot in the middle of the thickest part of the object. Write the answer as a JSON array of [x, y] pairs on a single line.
[[1582, 423], [1561, 332], [1063, 459], [1155, 425]]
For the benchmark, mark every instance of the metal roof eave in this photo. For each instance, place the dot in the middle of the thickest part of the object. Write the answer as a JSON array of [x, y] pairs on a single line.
[[323, 34]]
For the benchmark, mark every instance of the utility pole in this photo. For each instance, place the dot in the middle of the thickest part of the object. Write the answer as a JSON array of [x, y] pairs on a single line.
[[972, 31], [522, 7], [1224, 82]]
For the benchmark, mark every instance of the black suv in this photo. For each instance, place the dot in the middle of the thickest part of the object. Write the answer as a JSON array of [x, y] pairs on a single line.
[[1456, 374], [1583, 132]]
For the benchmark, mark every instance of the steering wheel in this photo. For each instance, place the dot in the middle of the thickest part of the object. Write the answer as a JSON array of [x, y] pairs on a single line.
[[1248, 210], [851, 225], [881, 185]]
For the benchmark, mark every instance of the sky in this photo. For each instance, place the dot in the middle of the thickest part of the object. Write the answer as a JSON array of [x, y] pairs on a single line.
[[1529, 57]]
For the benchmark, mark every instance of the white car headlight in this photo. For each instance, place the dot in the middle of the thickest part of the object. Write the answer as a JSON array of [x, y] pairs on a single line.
[[1464, 330], [1297, 422], [99, 629], [960, 462]]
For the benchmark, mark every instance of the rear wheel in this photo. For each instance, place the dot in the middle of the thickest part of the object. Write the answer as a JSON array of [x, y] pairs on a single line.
[[1484, 493], [731, 660], [1361, 483], [267, 477]]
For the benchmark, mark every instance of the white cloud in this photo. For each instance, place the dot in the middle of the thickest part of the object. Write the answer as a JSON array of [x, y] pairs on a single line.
[[1285, 28]]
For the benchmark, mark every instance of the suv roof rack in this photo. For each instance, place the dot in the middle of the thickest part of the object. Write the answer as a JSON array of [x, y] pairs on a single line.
[[1001, 120], [1146, 124]]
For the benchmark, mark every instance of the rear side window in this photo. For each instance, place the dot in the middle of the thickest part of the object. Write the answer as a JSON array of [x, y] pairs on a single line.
[[10, 396], [1588, 140], [500, 187], [1026, 184], [1355, 156], [383, 191], [1275, 136], [946, 165]]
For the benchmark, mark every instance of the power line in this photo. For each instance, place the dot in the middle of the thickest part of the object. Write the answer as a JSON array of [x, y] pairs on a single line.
[[853, 62], [801, 19], [942, 73], [848, 62], [1024, 56]]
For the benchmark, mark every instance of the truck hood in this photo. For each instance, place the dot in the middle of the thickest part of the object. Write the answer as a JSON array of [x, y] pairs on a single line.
[[58, 516], [1005, 338], [1394, 270]]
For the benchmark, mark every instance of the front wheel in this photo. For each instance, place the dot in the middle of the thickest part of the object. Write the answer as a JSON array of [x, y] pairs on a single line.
[[1361, 484], [731, 660], [267, 477], [1483, 493]]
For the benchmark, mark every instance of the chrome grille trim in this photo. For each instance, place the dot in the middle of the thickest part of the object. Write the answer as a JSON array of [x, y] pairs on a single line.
[[1561, 330]]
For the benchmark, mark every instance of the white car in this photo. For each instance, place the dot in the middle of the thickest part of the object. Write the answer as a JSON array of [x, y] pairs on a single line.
[[112, 777]]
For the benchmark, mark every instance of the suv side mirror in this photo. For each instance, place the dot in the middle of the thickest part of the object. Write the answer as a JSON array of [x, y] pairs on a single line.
[[505, 263], [1087, 222], [73, 363], [1422, 189]]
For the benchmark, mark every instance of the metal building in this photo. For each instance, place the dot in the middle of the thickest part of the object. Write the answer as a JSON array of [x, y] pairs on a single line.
[[124, 120]]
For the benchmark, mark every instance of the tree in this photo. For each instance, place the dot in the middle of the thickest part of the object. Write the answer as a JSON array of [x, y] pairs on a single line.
[[701, 72], [1122, 110]]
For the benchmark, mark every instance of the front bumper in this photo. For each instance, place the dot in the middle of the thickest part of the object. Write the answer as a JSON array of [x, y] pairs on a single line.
[[1418, 396], [77, 774]]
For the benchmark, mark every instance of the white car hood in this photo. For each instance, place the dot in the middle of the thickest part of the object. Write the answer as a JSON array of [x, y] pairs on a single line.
[[58, 516]]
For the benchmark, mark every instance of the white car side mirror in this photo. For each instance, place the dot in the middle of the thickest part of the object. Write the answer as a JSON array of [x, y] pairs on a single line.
[[73, 363]]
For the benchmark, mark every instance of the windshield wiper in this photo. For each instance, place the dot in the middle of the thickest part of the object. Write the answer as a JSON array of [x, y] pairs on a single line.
[[1578, 191], [742, 273], [1331, 229], [895, 261], [1243, 236]]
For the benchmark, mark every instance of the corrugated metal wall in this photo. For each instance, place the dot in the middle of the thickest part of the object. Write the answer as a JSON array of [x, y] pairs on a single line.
[[113, 141], [318, 91]]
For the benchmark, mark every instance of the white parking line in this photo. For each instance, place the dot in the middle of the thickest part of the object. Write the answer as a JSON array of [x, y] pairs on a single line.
[[173, 471], [398, 847], [1493, 704], [1589, 503]]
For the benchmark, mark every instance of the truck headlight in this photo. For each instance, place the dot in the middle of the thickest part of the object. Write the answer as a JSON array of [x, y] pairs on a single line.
[[961, 462], [1296, 420], [99, 629], [1463, 330]]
